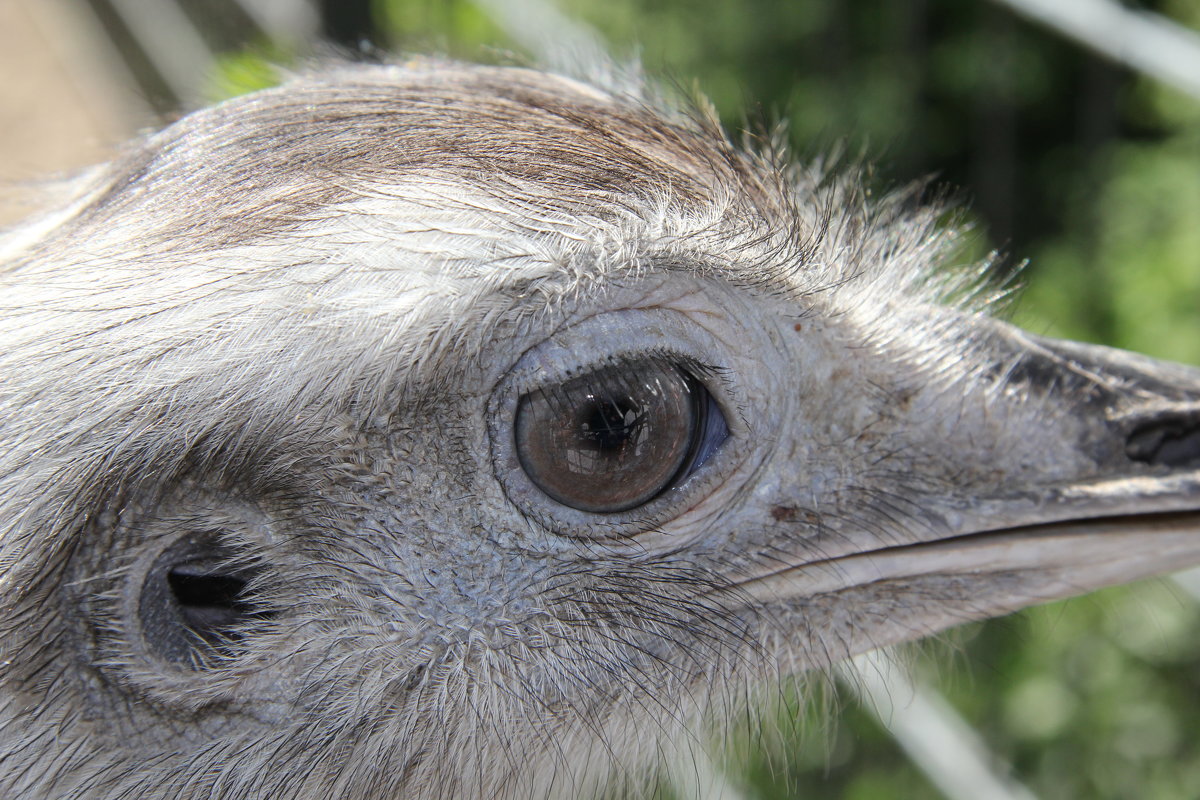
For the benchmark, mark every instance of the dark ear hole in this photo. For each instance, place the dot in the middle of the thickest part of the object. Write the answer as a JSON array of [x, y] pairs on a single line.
[[210, 598], [195, 605]]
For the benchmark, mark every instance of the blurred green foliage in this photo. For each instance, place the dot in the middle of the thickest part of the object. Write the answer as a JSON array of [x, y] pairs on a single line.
[[1091, 173], [247, 71]]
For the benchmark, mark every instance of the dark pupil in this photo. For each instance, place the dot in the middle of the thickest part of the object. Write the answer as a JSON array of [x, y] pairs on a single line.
[[609, 425]]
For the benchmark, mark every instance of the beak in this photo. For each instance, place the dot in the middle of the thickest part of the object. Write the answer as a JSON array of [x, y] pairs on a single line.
[[1068, 467]]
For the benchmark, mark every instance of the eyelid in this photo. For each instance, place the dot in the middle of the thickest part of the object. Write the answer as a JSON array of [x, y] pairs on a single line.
[[700, 370], [711, 438]]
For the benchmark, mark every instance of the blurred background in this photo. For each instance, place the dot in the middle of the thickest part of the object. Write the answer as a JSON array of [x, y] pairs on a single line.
[[1088, 169]]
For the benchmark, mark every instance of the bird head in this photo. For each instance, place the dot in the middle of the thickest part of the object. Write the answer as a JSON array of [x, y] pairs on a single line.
[[450, 431]]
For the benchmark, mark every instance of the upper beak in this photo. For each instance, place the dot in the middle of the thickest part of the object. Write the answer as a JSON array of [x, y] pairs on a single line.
[[1093, 463]]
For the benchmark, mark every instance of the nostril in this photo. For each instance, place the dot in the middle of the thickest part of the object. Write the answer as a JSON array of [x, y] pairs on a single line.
[[1173, 442]]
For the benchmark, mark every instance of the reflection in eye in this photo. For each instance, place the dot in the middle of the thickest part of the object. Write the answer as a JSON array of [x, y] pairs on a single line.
[[616, 438]]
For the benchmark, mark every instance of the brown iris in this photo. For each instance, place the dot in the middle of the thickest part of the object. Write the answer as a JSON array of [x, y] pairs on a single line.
[[613, 439]]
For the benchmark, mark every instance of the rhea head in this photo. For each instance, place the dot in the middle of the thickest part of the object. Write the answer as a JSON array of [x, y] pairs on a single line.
[[449, 431]]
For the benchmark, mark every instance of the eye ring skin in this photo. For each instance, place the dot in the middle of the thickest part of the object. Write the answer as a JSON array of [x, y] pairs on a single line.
[[606, 339]]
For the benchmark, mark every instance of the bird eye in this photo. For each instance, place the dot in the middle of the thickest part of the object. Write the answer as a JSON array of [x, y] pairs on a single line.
[[616, 438]]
